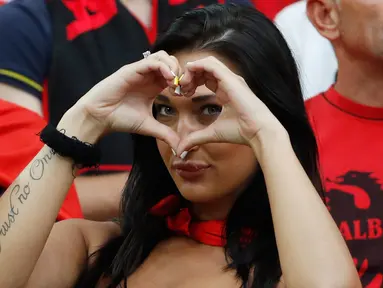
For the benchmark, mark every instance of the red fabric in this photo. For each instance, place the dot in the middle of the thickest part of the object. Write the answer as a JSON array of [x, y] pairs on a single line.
[[271, 7], [102, 13], [350, 140], [19, 144], [180, 221]]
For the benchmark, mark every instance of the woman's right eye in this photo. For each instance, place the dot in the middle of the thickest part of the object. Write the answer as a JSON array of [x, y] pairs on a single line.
[[163, 110]]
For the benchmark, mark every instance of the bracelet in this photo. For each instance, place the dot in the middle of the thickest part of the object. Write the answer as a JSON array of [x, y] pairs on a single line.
[[83, 154]]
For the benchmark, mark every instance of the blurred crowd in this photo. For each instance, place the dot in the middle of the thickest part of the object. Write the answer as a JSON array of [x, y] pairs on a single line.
[[52, 52]]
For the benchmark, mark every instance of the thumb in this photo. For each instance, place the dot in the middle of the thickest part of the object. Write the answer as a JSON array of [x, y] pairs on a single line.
[[151, 127], [207, 135]]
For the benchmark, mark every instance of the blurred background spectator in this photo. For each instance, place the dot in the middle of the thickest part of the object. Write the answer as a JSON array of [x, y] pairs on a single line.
[[347, 119], [314, 54]]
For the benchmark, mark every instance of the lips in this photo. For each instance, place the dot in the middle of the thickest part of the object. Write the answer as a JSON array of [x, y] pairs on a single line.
[[190, 169], [190, 166]]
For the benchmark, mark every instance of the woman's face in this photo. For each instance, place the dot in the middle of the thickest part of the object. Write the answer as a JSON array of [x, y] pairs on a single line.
[[213, 172]]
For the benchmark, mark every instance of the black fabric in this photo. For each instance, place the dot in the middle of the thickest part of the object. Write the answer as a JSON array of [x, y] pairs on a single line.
[[2, 190], [25, 42], [79, 64], [82, 153]]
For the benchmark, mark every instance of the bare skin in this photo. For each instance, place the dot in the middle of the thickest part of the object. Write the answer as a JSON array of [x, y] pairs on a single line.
[[191, 265]]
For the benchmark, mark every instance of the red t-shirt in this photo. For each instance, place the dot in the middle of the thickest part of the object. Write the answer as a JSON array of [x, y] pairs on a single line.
[[19, 145], [271, 7], [350, 140]]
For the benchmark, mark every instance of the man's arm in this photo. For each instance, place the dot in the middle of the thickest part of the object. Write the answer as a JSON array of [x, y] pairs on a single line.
[[25, 51], [21, 98]]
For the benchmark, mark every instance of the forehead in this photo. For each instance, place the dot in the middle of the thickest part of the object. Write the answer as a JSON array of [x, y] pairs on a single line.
[[190, 56]]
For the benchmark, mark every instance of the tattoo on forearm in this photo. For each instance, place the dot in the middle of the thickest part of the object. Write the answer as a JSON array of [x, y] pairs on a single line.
[[20, 192], [36, 170]]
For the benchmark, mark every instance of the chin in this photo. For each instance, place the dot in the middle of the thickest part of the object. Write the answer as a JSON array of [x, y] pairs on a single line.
[[198, 192]]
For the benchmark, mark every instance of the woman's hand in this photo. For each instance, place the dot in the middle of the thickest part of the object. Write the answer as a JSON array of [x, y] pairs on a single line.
[[244, 118], [124, 100]]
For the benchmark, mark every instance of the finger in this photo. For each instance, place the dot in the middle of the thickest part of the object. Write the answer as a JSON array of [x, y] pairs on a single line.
[[210, 65], [186, 78], [189, 87], [207, 135], [171, 61], [175, 65], [152, 127], [186, 83], [229, 82], [151, 65]]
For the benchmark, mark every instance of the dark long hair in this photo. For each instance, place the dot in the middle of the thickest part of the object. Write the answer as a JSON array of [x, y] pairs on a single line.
[[254, 44]]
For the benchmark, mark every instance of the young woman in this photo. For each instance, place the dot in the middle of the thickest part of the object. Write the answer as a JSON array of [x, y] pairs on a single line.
[[224, 188]]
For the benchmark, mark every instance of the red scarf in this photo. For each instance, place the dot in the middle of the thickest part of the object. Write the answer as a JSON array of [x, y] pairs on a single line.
[[209, 232]]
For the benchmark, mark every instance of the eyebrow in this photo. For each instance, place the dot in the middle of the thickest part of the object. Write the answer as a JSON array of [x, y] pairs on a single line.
[[163, 98], [196, 99]]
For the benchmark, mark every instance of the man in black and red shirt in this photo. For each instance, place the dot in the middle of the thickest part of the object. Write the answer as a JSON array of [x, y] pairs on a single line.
[[348, 122], [54, 51]]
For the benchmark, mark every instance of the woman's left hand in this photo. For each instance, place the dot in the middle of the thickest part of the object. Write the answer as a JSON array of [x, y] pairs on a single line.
[[244, 117]]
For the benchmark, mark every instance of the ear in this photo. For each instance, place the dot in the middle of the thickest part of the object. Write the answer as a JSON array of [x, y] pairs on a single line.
[[324, 15]]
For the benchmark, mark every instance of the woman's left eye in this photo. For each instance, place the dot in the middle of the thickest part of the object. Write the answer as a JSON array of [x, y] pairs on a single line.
[[211, 110]]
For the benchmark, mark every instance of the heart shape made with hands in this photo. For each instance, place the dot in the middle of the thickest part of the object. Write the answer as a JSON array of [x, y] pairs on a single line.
[[124, 101], [232, 125], [242, 115]]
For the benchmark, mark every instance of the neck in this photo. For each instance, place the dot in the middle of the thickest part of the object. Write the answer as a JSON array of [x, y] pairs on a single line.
[[219, 210], [142, 9], [360, 80]]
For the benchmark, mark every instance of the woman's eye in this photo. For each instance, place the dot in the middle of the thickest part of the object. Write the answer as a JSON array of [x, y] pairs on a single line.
[[211, 110], [164, 110]]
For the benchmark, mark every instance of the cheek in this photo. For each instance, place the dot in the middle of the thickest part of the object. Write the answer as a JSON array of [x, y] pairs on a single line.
[[233, 162], [165, 152], [362, 27]]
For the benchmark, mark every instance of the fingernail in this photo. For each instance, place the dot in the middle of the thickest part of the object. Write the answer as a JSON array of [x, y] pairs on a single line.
[[183, 154], [174, 152], [175, 81], [174, 74], [189, 63], [178, 90]]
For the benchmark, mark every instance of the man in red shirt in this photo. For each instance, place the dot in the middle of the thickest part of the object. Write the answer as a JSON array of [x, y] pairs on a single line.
[[348, 122]]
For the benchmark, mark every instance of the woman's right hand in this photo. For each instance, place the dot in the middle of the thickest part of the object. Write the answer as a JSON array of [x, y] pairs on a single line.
[[124, 100]]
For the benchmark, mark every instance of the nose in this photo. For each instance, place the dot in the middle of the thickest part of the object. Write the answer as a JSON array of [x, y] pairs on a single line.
[[187, 125]]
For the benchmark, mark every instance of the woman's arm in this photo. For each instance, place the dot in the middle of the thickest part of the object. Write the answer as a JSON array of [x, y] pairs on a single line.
[[311, 249], [29, 207], [66, 252]]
